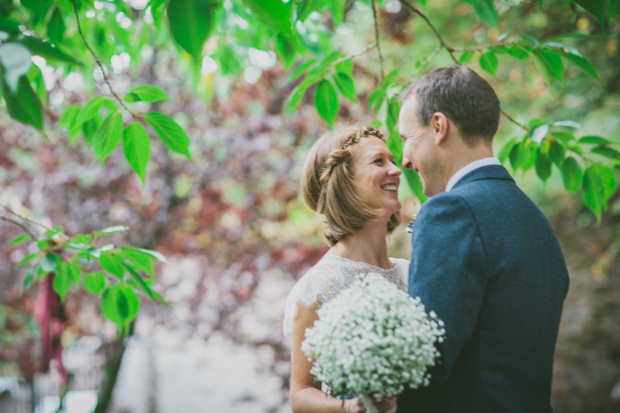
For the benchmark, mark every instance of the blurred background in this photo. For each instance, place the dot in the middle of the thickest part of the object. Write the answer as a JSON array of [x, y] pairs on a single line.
[[232, 225]]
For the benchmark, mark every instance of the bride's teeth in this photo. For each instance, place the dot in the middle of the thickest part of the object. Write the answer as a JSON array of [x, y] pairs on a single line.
[[392, 188]]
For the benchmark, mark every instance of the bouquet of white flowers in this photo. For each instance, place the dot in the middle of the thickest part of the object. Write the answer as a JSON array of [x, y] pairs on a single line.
[[372, 340]]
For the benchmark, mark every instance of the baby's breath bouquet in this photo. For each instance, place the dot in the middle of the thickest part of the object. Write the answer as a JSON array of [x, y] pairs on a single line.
[[372, 340]]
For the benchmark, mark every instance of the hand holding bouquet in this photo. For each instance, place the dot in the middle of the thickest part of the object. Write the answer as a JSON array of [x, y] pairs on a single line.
[[372, 340]]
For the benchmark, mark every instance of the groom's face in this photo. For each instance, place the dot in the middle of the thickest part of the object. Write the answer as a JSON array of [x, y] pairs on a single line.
[[420, 151]]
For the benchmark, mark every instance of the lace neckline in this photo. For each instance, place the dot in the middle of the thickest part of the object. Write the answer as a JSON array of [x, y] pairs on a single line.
[[363, 264]]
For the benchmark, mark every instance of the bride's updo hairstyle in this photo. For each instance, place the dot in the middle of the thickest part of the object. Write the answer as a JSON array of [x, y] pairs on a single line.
[[329, 188]]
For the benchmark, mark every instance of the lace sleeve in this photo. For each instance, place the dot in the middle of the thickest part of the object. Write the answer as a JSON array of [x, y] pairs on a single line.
[[329, 277], [319, 285]]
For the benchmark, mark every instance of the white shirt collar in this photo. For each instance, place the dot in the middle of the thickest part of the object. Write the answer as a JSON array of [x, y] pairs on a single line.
[[469, 168]]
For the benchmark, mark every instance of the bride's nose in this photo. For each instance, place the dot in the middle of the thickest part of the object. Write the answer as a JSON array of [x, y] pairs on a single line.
[[394, 170]]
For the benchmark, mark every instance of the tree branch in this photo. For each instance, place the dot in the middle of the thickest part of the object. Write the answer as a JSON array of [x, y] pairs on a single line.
[[428, 22], [427, 60], [356, 54], [9, 210], [374, 15], [105, 78], [22, 226], [451, 50], [481, 47]]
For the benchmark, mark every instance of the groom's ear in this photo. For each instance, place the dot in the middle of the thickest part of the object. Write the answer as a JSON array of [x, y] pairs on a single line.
[[440, 126]]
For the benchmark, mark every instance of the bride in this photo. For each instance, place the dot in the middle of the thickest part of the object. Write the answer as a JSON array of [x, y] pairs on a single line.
[[351, 178]]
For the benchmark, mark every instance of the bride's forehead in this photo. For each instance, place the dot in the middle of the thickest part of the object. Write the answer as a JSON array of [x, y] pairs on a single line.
[[369, 145]]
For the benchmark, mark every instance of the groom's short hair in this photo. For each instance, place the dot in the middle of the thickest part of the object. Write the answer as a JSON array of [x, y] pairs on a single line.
[[462, 95]]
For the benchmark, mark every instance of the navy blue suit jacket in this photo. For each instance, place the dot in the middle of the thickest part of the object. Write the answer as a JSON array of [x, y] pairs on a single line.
[[487, 261]]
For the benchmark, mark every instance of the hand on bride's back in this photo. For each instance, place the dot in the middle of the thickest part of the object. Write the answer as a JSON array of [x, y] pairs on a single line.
[[384, 406]]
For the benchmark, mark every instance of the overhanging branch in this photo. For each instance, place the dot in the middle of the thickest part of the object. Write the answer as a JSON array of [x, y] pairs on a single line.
[[451, 50], [105, 78]]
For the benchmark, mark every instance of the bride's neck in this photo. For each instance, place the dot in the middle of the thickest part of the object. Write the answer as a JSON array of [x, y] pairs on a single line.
[[368, 245]]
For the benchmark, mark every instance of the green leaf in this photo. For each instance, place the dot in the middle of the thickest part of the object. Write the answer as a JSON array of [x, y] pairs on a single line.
[[518, 52], [146, 94], [594, 7], [111, 230], [582, 64], [27, 259], [74, 270], [108, 136], [593, 191], [506, 149], [571, 174], [43, 244], [29, 279], [499, 49], [285, 49], [514, 155], [543, 166], [346, 85], [18, 239], [608, 179], [337, 11], [47, 50], [140, 260], [393, 111], [326, 102], [161, 299], [95, 282], [346, 67], [191, 23], [38, 7], [137, 148], [140, 282], [549, 64], [593, 140], [301, 69], [23, 106], [564, 137], [62, 281], [56, 26], [489, 63], [607, 152], [170, 133], [120, 304], [111, 264], [158, 256], [539, 133], [274, 14], [485, 11], [82, 238], [91, 109], [376, 99], [556, 153], [157, 10], [466, 57], [68, 118], [567, 124], [228, 60], [50, 262]]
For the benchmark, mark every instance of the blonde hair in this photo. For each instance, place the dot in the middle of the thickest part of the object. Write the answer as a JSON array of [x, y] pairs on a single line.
[[328, 186]]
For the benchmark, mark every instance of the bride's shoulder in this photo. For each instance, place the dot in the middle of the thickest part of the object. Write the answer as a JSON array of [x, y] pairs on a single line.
[[401, 262]]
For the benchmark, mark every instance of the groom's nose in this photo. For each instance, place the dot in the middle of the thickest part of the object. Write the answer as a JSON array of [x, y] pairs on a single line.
[[406, 162]]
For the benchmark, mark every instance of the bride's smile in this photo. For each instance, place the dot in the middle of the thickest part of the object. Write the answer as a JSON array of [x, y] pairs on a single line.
[[376, 175]]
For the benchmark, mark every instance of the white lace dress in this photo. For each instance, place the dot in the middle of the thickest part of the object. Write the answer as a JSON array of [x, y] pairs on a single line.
[[331, 275]]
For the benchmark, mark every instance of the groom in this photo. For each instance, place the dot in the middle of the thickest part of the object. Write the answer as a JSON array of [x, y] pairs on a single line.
[[485, 258]]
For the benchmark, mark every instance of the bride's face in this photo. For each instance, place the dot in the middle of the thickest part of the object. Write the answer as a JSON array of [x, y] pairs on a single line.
[[376, 174]]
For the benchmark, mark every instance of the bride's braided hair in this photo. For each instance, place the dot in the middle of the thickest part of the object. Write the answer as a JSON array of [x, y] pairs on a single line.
[[328, 186]]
